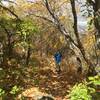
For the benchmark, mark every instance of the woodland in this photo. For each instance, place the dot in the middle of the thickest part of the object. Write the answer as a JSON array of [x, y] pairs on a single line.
[[49, 49]]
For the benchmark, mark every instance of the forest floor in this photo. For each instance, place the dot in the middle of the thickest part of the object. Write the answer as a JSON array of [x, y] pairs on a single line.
[[45, 81], [38, 79]]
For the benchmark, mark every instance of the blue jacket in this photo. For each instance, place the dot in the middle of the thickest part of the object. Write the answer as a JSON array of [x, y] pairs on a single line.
[[58, 57]]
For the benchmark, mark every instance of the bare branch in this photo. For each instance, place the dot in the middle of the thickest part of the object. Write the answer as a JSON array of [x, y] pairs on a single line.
[[7, 9], [9, 1], [58, 24], [42, 17]]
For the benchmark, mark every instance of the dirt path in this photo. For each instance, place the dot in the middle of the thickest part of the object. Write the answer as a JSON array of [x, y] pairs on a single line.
[[48, 82]]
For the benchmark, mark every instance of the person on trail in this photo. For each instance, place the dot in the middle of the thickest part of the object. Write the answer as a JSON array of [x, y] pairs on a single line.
[[58, 58]]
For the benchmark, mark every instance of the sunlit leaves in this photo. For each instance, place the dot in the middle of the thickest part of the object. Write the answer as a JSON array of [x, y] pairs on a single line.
[[2, 92], [27, 28], [88, 41], [95, 80], [15, 90], [81, 92]]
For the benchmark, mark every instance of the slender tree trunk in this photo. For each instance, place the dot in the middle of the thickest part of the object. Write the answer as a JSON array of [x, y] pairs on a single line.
[[89, 63], [8, 47], [28, 55], [96, 8]]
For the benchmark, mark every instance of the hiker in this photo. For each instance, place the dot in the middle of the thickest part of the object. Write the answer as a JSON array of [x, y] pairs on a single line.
[[58, 58]]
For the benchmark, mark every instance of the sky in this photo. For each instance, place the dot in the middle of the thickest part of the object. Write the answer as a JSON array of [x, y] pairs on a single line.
[[82, 20]]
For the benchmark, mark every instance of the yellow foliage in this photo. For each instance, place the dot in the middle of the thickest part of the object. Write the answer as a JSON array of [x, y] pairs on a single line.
[[62, 40], [62, 17], [89, 41]]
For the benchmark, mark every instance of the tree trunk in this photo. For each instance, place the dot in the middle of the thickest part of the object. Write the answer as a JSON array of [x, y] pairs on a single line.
[[96, 8], [91, 69], [28, 56]]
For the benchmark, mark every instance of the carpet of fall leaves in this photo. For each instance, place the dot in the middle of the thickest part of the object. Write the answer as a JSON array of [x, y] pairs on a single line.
[[45, 81], [42, 79]]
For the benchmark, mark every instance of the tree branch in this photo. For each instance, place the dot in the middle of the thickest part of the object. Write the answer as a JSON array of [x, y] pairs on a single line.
[[7, 9], [42, 17], [60, 27]]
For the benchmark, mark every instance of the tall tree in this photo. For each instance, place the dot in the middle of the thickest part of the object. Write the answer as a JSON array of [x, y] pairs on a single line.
[[91, 69], [96, 11], [62, 29]]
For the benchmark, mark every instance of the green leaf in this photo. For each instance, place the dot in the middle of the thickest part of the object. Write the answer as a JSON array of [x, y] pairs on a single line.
[[97, 82], [91, 78]]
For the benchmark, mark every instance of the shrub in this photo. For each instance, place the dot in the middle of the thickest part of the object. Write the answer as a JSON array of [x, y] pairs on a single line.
[[95, 80], [2, 92], [81, 92], [15, 90], [85, 90]]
